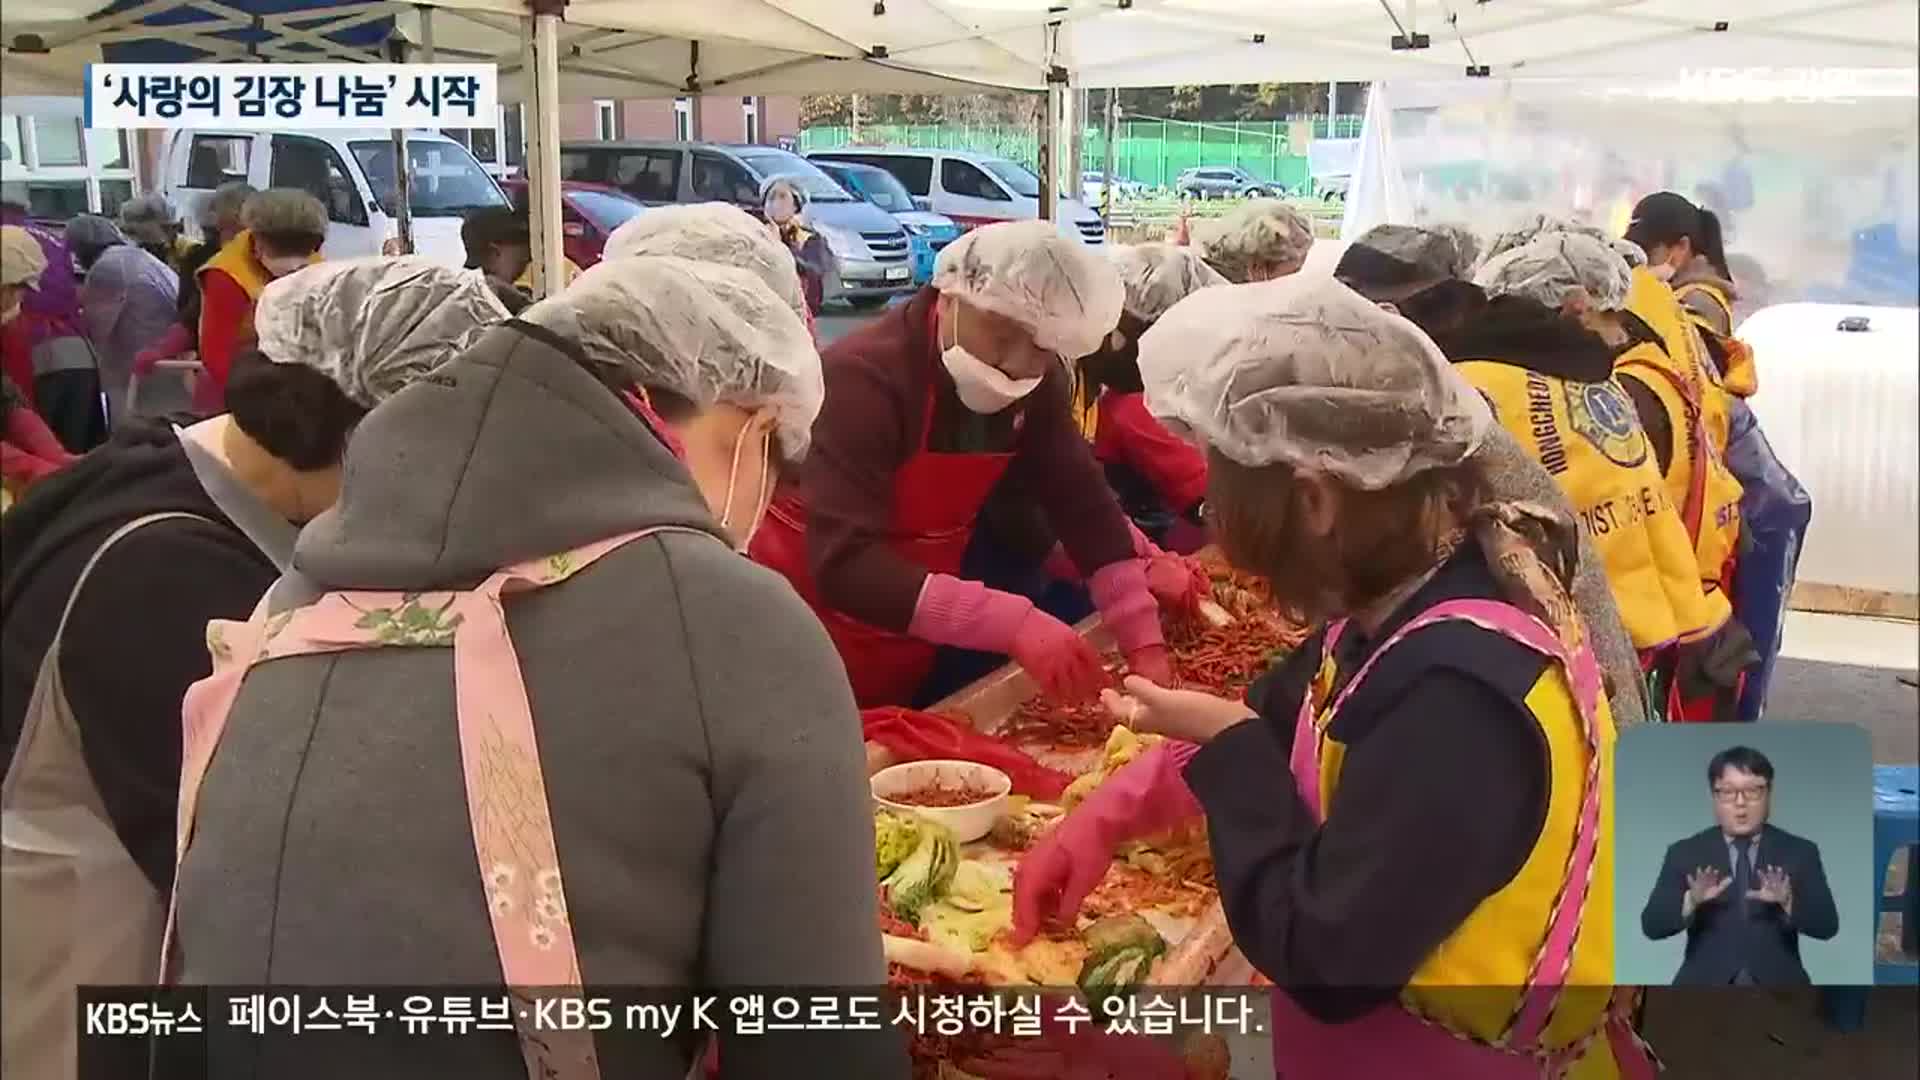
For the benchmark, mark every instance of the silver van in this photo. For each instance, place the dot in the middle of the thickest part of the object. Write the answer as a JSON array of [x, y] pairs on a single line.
[[871, 252]]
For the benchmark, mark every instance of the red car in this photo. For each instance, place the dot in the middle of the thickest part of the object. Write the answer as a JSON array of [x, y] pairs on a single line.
[[588, 215]]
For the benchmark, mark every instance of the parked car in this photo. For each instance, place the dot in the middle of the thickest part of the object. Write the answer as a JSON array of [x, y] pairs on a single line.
[[351, 172], [1093, 186], [870, 249], [588, 215], [928, 231], [1221, 183], [972, 189]]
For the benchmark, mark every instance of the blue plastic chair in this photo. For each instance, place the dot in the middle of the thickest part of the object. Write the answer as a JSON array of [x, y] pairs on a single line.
[[1896, 824]]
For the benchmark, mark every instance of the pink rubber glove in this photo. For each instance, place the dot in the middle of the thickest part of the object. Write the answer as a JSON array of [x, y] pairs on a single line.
[[968, 615], [1131, 615], [1146, 796], [1143, 545], [1066, 667], [1176, 582], [1060, 566]]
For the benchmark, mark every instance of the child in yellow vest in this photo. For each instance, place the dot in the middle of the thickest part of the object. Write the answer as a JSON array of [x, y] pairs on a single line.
[[1449, 717]]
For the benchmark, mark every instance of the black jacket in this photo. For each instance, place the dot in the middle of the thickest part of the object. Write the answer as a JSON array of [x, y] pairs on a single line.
[[1719, 941], [137, 636], [1441, 799]]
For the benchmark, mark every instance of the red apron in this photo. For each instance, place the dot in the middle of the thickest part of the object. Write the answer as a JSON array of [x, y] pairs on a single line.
[[936, 498]]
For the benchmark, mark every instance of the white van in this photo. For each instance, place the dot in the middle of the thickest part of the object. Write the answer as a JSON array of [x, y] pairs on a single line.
[[972, 189], [351, 172]]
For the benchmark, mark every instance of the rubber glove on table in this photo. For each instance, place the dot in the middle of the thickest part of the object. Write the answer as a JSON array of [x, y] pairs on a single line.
[[969, 615], [1131, 614], [1145, 796]]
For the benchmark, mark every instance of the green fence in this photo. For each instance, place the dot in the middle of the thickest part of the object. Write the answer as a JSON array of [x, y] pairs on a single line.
[[1149, 152]]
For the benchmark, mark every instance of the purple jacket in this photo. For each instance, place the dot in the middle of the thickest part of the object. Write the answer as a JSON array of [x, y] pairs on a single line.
[[56, 300]]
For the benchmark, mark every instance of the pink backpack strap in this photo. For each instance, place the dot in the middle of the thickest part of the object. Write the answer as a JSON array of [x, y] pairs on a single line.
[[1541, 992], [508, 810]]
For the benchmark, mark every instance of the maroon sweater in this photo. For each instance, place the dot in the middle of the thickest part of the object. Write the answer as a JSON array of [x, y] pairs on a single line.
[[877, 380]]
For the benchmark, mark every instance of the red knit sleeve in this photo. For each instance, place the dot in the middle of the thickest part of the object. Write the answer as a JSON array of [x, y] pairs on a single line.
[[225, 309]]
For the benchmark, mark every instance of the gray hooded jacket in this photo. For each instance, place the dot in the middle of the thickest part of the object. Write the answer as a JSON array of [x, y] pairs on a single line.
[[701, 748]]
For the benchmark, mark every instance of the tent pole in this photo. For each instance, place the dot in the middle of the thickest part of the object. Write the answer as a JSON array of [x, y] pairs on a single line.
[[402, 243], [1073, 118], [402, 192], [1113, 138], [541, 63], [1050, 121]]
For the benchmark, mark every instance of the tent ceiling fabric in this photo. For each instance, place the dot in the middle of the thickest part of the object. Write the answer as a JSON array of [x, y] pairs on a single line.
[[639, 48]]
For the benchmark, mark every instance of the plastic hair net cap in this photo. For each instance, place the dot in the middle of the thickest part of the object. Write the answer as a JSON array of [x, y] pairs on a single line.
[[708, 333], [375, 324], [93, 231], [1307, 373], [792, 187], [21, 260], [716, 233], [1067, 296], [149, 219], [1553, 265], [225, 203], [1538, 224], [1438, 252], [1158, 276], [1262, 232]]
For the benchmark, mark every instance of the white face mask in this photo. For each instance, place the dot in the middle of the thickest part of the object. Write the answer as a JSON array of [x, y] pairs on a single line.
[[766, 488], [780, 209], [1663, 271], [282, 265], [983, 388]]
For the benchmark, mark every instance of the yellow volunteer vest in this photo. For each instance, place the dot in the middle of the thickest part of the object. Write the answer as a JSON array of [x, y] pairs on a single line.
[[236, 260], [1741, 378], [1470, 982], [1083, 403], [1706, 493], [1588, 439]]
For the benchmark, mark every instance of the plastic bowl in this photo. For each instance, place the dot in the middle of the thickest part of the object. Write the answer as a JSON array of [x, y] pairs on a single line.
[[969, 822]]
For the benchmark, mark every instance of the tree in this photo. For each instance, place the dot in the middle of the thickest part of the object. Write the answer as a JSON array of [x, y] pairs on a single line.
[[826, 110]]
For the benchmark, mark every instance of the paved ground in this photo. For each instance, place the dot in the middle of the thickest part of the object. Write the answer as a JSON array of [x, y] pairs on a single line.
[[1749, 1034], [836, 324]]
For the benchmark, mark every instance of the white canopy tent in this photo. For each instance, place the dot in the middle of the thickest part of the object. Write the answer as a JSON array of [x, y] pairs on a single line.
[[615, 48]]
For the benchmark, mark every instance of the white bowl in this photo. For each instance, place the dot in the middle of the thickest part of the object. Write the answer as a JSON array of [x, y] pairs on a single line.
[[969, 822]]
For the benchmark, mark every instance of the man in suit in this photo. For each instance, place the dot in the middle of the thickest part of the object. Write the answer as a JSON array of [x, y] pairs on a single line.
[[1743, 890]]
